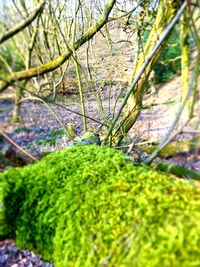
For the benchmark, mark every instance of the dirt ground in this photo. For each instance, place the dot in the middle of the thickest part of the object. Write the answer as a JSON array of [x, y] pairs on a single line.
[[35, 132]]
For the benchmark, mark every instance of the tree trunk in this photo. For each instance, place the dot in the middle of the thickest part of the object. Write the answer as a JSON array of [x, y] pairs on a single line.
[[16, 109], [185, 62], [166, 12]]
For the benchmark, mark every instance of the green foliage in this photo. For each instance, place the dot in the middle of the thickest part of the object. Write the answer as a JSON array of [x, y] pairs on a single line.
[[50, 139], [21, 129], [169, 62], [11, 56], [88, 206]]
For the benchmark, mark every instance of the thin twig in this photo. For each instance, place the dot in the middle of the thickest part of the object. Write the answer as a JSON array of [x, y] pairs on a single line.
[[68, 109], [16, 145], [191, 131], [22, 25]]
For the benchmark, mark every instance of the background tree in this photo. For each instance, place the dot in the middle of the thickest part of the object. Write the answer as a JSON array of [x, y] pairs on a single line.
[[56, 42]]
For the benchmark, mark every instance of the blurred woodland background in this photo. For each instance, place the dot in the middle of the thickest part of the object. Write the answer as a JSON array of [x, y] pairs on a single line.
[[118, 73]]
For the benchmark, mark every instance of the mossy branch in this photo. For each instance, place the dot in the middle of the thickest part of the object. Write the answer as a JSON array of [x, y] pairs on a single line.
[[23, 24], [54, 64], [179, 171], [185, 60], [174, 148]]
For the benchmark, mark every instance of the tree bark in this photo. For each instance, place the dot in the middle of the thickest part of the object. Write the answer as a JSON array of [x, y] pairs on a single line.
[[54, 64], [185, 62], [166, 12]]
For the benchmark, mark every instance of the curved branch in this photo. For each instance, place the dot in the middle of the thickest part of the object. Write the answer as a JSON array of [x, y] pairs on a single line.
[[23, 24], [52, 65]]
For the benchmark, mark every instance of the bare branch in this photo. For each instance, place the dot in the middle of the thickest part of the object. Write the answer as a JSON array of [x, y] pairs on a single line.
[[23, 24], [54, 64]]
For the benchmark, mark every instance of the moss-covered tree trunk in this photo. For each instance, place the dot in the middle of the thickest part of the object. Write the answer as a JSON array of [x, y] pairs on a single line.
[[185, 62], [165, 13], [16, 109]]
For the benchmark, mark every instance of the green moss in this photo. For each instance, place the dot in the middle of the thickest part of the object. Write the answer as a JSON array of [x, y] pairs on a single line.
[[88, 206], [21, 129], [169, 63], [52, 138], [11, 56]]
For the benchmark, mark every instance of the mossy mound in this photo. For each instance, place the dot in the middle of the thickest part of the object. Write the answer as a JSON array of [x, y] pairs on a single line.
[[88, 206]]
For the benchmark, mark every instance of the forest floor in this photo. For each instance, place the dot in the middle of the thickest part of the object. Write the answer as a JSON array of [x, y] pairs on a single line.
[[40, 131], [42, 126]]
